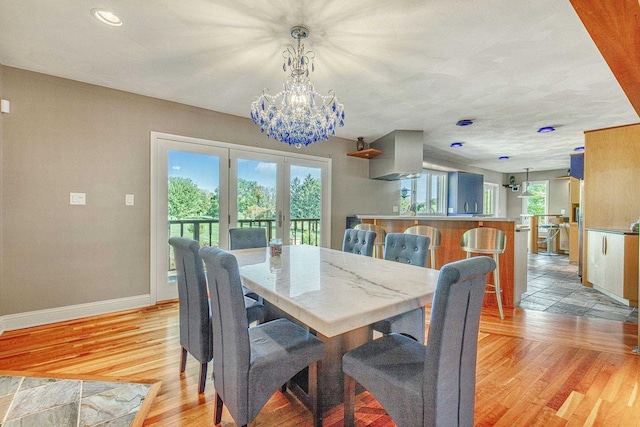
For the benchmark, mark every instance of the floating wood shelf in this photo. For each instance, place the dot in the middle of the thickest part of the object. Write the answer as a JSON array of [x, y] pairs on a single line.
[[369, 153]]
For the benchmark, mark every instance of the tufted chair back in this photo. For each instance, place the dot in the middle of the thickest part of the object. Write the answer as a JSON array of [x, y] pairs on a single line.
[[358, 241], [406, 248], [247, 237]]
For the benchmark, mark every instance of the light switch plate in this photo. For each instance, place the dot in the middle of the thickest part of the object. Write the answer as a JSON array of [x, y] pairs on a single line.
[[129, 199], [77, 198]]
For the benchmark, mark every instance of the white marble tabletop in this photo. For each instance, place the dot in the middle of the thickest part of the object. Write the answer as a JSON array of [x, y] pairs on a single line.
[[334, 292]]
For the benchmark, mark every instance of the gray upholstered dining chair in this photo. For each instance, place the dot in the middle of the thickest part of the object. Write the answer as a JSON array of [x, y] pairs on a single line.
[[247, 237], [358, 241], [194, 309], [409, 249], [250, 364], [378, 245], [432, 385]]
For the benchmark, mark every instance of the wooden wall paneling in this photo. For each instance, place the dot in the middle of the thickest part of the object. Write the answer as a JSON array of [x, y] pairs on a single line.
[[614, 26]]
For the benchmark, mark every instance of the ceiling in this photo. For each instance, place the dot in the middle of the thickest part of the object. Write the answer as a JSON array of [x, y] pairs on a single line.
[[512, 66]]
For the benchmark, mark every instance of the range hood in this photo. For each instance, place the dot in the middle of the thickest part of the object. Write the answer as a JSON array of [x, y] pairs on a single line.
[[401, 156]]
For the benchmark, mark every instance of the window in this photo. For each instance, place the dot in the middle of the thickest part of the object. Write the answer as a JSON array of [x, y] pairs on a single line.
[[538, 204], [491, 199], [426, 195]]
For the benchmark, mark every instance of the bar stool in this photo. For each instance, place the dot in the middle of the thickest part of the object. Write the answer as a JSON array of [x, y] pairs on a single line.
[[553, 231], [486, 240], [434, 240], [378, 244]]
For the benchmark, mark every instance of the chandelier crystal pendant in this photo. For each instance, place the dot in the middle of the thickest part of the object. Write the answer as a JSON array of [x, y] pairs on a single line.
[[298, 115]]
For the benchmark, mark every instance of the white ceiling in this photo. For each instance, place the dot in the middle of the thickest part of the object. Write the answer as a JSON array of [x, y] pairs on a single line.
[[511, 65]]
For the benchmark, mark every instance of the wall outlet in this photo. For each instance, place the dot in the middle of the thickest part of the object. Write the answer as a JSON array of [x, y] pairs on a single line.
[[77, 198], [396, 209], [129, 200]]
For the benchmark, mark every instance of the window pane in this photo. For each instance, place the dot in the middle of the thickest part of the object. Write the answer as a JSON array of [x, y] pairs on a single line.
[[537, 205], [305, 188], [406, 194], [421, 194], [438, 193]]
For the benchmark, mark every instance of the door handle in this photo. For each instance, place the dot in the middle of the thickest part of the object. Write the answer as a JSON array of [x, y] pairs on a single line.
[[475, 209], [604, 241], [280, 219], [466, 206]]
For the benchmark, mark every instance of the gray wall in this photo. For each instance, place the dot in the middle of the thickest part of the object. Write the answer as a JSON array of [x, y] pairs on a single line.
[[64, 136]]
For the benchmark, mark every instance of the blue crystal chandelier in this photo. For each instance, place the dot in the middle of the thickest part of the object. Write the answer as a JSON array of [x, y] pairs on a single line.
[[298, 115]]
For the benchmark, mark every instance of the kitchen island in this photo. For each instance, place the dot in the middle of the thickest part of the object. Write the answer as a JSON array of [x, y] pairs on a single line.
[[513, 262]]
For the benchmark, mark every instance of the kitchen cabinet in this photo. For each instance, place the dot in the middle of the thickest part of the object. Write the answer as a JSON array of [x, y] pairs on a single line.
[[612, 264], [466, 193]]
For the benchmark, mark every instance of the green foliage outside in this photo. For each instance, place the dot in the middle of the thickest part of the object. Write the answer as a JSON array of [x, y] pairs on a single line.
[[255, 202], [537, 204]]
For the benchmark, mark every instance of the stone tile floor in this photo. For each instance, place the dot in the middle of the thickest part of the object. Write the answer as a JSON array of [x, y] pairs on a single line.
[[554, 286], [56, 402]]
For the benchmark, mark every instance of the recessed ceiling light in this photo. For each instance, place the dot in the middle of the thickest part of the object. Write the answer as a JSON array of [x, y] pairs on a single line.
[[578, 149], [503, 158], [546, 129], [107, 17], [456, 144], [465, 122]]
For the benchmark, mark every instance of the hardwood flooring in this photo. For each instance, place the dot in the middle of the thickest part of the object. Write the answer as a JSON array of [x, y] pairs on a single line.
[[534, 368]]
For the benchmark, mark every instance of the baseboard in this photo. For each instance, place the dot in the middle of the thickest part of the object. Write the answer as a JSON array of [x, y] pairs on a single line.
[[59, 314]]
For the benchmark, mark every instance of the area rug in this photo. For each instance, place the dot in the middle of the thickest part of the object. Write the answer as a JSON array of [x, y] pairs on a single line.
[[44, 400]]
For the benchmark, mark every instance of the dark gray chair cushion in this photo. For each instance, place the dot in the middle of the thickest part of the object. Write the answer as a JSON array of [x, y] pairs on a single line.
[[196, 335], [250, 364], [434, 384], [247, 237], [408, 249], [358, 241], [193, 299]]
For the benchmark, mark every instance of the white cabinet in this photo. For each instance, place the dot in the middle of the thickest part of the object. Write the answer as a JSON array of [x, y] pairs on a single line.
[[612, 264]]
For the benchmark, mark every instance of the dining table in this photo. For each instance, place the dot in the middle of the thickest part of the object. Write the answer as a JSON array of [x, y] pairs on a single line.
[[337, 295]]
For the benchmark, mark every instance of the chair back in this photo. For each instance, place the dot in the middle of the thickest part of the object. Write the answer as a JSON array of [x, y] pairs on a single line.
[[358, 241], [193, 299], [247, 237], [450, 367], [231, 348], [426, 230], [406, 248], [380, 233], [484, 240]]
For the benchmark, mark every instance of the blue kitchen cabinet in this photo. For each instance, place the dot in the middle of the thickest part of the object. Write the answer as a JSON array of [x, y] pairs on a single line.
[[466, 191]]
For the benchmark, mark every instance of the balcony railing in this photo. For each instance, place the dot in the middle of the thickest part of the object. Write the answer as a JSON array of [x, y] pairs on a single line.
[[207, 230]]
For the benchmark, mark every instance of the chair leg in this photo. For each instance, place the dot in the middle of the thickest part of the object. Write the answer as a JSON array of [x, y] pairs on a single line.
[[314, 394], [349, 400], [496, 281], [217, 413], [203, 377], [183, 360]]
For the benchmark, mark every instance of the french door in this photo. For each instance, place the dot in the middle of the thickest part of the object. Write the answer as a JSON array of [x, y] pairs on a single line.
[[202, 188], [285, 195]]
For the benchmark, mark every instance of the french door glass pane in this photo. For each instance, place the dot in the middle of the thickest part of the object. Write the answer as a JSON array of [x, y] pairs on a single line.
[[305, 186], [194, 197], [256, 202]]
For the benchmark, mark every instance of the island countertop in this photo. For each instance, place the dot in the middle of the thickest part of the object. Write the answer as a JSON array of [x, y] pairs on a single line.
[[513, 262], [436, 218]]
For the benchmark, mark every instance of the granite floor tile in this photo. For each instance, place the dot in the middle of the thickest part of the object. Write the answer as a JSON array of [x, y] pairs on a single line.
[[554, 285]]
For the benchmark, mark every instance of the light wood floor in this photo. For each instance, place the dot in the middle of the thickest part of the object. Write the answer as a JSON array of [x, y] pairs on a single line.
[[534, 368]]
